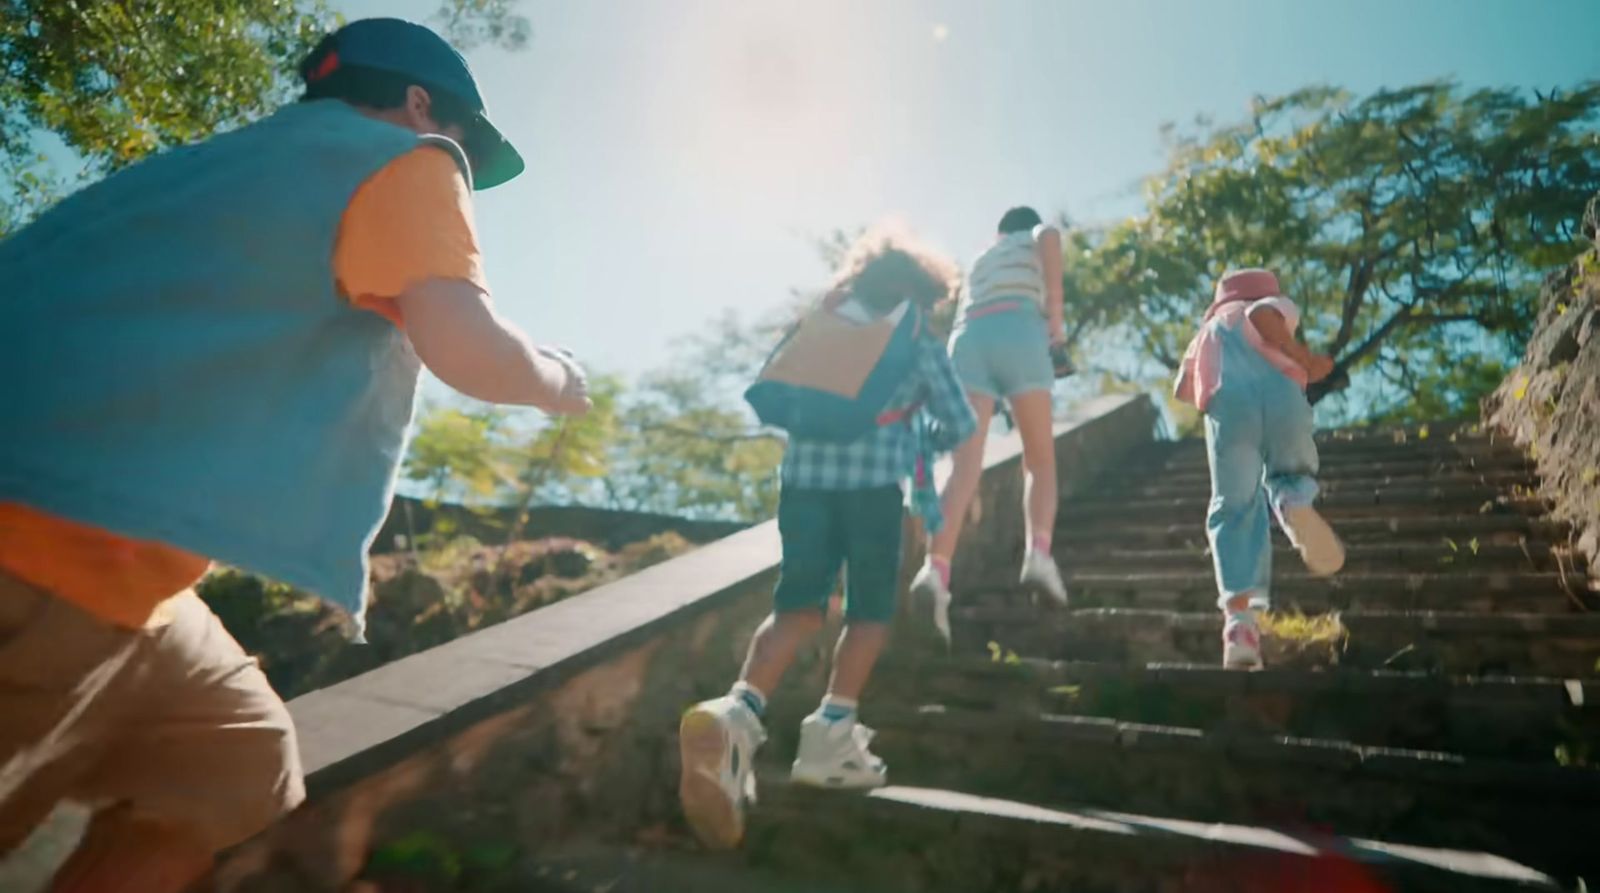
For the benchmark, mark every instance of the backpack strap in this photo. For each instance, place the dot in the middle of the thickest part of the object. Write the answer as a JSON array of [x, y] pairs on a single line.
[[903, 414]]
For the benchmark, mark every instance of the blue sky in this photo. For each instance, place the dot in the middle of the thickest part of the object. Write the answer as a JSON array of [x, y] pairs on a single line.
[[683, 154]]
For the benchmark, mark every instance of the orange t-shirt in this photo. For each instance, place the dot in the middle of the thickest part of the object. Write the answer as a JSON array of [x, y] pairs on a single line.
[[409, 222]]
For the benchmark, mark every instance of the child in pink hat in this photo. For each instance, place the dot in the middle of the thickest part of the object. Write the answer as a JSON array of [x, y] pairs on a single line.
[[1246, 371]]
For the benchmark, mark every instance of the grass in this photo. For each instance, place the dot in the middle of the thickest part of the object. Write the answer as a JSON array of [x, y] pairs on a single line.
[[1295, 639]]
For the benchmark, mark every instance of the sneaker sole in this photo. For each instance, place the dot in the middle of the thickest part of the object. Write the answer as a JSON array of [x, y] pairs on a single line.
[[1319, 546], [717, 819], [836, 783], [1237, 664], [1044, 592]]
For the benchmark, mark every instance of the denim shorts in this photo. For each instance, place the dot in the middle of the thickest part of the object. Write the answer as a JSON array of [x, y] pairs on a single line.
[[1003, 354], [824, 530]]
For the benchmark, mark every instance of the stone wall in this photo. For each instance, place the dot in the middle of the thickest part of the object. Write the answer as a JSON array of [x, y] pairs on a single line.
[[559, 725], [1551, 403]]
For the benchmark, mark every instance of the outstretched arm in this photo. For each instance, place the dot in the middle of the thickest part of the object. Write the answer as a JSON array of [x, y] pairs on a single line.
[[460, 339]]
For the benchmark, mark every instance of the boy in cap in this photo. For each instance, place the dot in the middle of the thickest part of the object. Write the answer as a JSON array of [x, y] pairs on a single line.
[[213, 355]]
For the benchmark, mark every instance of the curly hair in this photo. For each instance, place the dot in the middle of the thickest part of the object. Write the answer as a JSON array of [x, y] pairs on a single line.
[[884, 267]]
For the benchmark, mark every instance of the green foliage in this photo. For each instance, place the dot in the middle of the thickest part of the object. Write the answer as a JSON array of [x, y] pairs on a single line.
[[479, 454], [113, 82], [677, 444], [470, 23], [1412, 226], [684, 451], [460, 453]]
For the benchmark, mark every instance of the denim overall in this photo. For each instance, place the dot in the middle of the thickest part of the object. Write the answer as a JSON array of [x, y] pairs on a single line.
[[1261, 453]]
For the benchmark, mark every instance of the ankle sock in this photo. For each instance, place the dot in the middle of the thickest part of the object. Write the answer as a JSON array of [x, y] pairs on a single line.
[[941, 566], [751, 696], [1041, 543], [835, 709]]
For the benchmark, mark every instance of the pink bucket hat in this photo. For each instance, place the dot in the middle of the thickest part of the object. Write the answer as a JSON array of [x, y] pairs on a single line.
[[1244, 285]]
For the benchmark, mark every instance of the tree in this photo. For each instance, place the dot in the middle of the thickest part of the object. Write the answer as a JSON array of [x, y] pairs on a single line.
[[92, 85], [470, 23], [683, 451], [1411, 225], [460, 454], [487, 456]]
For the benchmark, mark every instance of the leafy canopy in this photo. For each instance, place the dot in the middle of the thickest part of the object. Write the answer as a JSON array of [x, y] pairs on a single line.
[[92, 85], [1412, 226]]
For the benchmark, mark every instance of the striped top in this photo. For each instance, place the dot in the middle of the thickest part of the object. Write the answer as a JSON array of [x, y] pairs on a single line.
[[1009, 270]]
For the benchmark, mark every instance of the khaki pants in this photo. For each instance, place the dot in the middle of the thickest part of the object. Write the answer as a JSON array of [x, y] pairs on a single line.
[[174, 721]]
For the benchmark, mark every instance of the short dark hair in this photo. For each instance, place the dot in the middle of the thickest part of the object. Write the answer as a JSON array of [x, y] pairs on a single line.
[[377, 89], [1020, 219]]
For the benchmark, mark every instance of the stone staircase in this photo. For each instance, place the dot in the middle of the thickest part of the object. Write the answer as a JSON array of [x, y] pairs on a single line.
[[1438, 743], [1426, 721]]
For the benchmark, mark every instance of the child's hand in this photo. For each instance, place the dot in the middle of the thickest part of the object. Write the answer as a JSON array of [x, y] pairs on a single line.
[[574, 396], [1319, 367]]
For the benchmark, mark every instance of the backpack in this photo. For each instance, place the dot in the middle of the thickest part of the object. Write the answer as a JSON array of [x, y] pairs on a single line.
[[831, 379]]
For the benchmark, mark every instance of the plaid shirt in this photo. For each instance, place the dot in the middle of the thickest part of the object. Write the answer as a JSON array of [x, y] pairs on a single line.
[[889, 453]]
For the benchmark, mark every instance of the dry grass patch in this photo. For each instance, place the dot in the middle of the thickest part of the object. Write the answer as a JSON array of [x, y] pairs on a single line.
[[1291, 639]]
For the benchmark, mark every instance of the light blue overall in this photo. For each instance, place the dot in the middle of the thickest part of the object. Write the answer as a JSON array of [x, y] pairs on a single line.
[[1261, 453]]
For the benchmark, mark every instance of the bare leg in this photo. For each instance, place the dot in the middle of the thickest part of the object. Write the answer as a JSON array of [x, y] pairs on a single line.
[[774, 646], [854, 656], [1032, 411], [963, 483], [121, 851]]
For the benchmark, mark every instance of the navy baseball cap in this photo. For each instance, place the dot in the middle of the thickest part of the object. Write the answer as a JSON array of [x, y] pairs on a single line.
[[406, 48]]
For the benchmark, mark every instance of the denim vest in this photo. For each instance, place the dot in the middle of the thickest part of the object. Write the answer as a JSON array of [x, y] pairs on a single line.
[[176, 364]]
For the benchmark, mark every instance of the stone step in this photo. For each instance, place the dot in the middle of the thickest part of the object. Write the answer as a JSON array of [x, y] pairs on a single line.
[[1438, 527], [1365, 450], [1441, 556], [1396, 501], [1473, 589], [1399, 468], [1463, 428], [1346, 462], [931, 840], [1523, 811], [1515, 718], [1200, 486], [1562, 645]]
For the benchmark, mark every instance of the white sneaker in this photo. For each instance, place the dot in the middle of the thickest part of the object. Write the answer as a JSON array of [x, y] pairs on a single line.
[[717, 741], [932, 600], [1040, 574], [1310, 534], [835, 755], [1241, 642]]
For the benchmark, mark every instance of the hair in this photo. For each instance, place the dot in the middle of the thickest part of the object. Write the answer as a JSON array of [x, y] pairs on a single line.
[[1020, 219], [883, 268], [382, 90]]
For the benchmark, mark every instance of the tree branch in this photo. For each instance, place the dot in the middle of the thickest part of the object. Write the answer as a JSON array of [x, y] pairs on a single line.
[[1355, 295], [1340, 375]]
